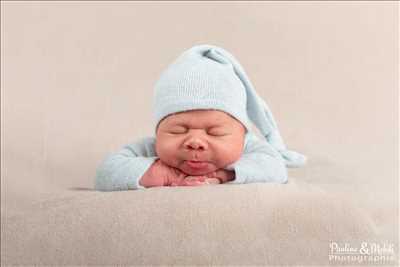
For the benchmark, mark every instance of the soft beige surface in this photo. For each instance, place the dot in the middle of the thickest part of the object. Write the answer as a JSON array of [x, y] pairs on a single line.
[[77, 83], [228, 224]]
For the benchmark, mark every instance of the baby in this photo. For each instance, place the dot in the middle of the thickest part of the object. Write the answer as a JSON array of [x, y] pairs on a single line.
[[204, 106]]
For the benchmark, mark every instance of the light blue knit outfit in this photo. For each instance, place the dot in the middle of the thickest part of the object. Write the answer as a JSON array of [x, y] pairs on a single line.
[[206, 77]]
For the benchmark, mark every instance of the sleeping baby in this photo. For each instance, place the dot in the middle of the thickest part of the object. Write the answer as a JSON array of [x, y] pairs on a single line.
[[204, 110]]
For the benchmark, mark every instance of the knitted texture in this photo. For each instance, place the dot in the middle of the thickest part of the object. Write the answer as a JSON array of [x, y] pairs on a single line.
[[195, 81], [209, 77]]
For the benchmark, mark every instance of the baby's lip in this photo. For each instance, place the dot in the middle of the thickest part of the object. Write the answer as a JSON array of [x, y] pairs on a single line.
[[197, 164], [196, 160]]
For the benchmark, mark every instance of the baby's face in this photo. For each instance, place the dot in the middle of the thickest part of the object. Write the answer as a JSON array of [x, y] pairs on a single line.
[[200, 141]]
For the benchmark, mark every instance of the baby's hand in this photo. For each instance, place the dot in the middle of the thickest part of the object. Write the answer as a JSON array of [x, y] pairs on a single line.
[[160, 174], [199, 180], [217, 177], [222, 175]]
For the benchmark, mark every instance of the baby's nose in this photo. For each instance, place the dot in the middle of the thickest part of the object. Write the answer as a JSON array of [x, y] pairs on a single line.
[[195, 144]]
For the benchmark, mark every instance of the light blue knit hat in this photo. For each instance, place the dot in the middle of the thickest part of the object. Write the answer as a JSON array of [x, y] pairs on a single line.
[[209, 77]]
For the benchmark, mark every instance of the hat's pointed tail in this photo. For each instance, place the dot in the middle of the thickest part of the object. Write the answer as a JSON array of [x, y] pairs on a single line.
[[257, 108]]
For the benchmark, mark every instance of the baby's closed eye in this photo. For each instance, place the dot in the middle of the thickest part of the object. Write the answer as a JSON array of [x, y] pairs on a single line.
[[178, 130], [218, 132], [212, 132]]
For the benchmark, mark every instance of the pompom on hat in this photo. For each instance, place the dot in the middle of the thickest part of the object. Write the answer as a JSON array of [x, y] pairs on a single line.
[[209, 77]]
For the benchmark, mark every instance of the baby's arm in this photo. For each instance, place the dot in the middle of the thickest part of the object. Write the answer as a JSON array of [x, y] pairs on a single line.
[[136, 166], [260, 162], [122, 170]]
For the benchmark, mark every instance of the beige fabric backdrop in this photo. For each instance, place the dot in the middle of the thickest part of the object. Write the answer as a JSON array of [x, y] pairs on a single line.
[[77, 81]]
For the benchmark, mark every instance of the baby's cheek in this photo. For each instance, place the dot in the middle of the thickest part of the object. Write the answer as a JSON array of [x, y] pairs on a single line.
[[229, 153], [166, 152]]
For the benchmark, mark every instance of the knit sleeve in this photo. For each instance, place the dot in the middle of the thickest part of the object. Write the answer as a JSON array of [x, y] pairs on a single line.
[[123, 169], [259, 163]]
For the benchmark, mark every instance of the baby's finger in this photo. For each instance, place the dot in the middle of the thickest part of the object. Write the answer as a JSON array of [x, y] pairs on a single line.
[[192, 181], [195, 178], [211, 175], [212, 181]]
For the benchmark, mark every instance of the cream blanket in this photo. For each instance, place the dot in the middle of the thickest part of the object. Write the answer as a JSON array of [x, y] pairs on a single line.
[[251, 224]]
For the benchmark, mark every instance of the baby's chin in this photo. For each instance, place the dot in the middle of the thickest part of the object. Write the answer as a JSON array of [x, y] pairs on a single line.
[[195, 173]]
